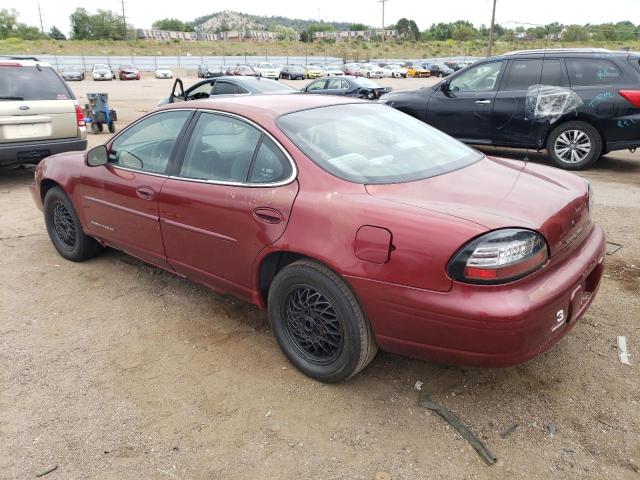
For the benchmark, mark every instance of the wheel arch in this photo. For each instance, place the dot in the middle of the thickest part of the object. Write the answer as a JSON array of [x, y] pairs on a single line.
[[273, 262], [47, 184], [579, 117]]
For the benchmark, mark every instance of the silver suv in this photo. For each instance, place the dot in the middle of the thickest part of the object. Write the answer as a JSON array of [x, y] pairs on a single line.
[[39, 114]]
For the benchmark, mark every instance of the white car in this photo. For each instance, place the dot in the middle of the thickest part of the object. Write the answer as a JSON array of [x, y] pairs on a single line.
[[370, 70], [102, 72], [267, 70], [394, 71], [164, 72], [333, 71]]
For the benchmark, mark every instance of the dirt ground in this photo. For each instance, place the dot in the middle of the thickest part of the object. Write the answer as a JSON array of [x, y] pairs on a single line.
[[112, 369]]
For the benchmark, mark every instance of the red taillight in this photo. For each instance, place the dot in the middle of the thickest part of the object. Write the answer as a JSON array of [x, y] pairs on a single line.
[[5, 64], [632, 96], [80, 116]]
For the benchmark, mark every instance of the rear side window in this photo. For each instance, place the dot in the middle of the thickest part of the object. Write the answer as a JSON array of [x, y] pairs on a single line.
[[225, 88], [29, 83], [270, 164], [592, 71], [525, 73]]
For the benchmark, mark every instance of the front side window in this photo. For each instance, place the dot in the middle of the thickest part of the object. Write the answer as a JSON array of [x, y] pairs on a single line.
[[592, 71], [201, 91], [374, 144], [317, 85], [482, 78], [147, 145], [525, 73], [335, 84]]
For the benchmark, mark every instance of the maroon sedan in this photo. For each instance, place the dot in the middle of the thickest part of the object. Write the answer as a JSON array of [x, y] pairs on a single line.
[[355, 225], [244, 71], [128, 72]]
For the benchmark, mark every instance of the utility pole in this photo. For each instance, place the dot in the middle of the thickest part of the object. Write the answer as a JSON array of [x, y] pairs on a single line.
[[383, 29], [493, 23], [40, 15], [124, 22]]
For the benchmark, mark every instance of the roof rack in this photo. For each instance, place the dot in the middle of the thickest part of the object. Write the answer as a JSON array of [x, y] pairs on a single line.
[[559, 50]]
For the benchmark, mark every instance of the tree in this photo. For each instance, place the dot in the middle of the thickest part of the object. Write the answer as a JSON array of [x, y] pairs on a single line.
[[285, 33], [172, 24], [441, 31], [304, 36], [104, 25], [415, 31], [403, 27], [10, 27], [56, 34], [358, 27], [575, 33]]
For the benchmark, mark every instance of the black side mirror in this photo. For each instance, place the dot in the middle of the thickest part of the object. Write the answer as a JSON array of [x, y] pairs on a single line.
[[444, 86], [97, 156]]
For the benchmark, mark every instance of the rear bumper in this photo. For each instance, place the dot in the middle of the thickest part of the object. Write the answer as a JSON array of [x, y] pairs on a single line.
[[34, 151], [490, 326]]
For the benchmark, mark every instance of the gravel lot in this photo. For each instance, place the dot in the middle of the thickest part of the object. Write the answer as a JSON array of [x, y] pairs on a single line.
[[112, 369]]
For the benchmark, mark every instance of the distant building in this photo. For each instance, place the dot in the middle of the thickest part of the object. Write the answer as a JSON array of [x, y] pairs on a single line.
[[339, 35], [232, 35]]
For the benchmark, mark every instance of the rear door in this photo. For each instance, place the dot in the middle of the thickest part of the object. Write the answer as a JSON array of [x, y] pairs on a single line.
[[230, 198], [512, 125], [35, 104], [464, 110], [120, 200]]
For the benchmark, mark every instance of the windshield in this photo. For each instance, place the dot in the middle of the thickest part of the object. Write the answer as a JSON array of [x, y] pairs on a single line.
[[163, 68], [29, 83], [374, 144], [265, 65], [101, 67]]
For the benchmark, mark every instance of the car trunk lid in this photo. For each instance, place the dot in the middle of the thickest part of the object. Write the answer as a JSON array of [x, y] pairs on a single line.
[[497, 193]]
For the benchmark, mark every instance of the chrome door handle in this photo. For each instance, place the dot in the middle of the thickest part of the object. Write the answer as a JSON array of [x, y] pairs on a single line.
[[483, 102]]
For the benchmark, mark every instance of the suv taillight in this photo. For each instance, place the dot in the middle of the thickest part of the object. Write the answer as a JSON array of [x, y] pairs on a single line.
[[499, 257], [80, 116], [632, 96]]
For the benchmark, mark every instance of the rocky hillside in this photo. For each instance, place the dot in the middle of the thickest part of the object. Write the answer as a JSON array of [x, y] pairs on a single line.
[[228, 20]]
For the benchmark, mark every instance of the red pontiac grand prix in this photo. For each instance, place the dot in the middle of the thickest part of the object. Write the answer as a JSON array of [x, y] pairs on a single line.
[[353, 224]]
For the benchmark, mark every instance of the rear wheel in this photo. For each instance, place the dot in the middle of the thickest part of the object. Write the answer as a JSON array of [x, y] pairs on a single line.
[[64, 228], [574, 145], [319, 323]]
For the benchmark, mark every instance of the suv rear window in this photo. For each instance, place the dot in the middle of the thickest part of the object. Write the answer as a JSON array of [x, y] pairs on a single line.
[[525, 73], [592, 71], [29, 83]]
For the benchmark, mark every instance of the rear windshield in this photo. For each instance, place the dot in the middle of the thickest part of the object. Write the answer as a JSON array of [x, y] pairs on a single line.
[[374, 144], [29, 83]]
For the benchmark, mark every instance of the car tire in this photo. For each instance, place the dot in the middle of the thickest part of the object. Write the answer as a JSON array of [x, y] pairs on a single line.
[[574, 145], [94, 127], [112, 127], [318, 322], [64, 228]]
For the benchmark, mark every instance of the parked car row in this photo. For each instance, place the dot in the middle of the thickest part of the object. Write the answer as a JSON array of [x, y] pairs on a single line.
[[101, 71]]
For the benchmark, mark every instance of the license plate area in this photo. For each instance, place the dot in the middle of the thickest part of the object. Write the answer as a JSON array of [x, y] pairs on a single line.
[[26, 130]]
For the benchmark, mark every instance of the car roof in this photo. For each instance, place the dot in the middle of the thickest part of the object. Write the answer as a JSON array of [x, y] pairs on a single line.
[[266, 105], [23, 63], [578, 52]]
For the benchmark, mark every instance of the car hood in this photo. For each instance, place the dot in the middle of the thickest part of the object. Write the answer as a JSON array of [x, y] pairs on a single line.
[[498, 193]]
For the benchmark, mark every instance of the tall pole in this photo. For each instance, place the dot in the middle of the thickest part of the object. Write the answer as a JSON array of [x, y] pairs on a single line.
[[493, 23], [124, 22], [383, 29], [40, 14]]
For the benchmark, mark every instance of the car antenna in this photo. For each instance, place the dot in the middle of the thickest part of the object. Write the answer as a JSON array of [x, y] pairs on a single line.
[[38, 67]]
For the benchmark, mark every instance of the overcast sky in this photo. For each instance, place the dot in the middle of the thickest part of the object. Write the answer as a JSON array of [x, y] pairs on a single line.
[[142, 13]]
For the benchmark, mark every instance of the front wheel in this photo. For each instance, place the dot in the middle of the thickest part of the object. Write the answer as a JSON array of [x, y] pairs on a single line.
[[319, 323], [574, 145], [64, 228]]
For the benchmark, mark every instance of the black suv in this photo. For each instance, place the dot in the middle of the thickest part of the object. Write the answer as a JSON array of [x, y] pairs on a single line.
[[578, 104]]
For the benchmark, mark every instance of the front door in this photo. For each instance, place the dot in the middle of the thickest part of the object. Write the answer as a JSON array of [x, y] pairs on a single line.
[[120, 201], [231, 197], [464, 109]]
